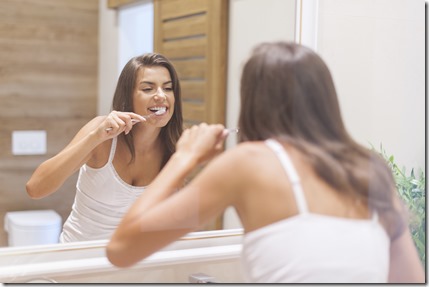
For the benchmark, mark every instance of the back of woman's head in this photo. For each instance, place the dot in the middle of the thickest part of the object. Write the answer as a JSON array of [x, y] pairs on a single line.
[[286, 89], [287, 92], [123, 99]]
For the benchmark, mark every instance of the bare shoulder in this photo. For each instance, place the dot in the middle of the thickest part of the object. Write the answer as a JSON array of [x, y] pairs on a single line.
[[246, 150], [249, 153], [228, 176], [240, 159]]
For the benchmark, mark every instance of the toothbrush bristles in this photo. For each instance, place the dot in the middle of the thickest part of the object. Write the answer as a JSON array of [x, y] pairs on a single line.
[[157, 113], [232, 130]]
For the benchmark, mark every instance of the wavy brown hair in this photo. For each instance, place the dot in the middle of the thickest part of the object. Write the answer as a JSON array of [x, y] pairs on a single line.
[[123, 101], [287, 93]]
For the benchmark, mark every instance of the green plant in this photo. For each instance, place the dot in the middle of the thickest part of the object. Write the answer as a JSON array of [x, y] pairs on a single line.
[[412, 190]]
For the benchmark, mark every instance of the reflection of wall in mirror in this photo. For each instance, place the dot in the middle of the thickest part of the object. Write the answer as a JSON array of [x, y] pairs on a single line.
[[48, 70]]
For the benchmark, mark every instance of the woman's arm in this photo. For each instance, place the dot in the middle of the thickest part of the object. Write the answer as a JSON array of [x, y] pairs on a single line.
[[161, 215], [405, 265], [51, 174]]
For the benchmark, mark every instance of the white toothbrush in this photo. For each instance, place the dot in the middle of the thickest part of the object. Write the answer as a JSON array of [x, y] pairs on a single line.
[[134, 121], [231, 130]]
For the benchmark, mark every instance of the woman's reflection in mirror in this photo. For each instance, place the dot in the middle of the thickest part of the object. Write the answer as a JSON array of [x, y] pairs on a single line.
[[117, 155]]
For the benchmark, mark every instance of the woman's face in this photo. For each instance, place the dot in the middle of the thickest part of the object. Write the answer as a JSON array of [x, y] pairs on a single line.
[[153, 95]]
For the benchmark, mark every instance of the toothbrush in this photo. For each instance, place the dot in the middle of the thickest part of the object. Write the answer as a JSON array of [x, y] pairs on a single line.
[[134, 121], [231, 130]]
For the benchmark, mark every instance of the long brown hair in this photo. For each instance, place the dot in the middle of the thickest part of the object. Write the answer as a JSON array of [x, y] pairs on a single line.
[[287, 92], [123, 101]]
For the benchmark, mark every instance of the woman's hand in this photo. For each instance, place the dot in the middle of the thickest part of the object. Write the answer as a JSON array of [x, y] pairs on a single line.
[[117, 122], [175, 213], [202, 142]]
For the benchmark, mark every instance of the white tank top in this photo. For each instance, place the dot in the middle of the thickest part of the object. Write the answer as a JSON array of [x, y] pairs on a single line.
[[315, 248], [102, 199]]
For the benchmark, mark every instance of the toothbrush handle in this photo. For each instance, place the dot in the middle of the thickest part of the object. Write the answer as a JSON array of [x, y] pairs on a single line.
[[232, 130], [133, 121]]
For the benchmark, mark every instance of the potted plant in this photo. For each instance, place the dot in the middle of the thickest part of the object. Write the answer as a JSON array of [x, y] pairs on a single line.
[[412, 190]]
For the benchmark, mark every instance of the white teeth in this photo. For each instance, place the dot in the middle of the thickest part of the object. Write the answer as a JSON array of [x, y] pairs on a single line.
[[158, 110]]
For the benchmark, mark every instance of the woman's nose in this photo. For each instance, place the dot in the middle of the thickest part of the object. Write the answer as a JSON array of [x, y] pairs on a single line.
[[160, 95]]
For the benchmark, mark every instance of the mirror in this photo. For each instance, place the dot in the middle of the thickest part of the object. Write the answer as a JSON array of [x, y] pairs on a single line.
[[361, 44], [69, 102]]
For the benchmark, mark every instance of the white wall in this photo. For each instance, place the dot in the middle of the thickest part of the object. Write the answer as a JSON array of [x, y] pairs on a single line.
[[135, 23], [124, 33], [108, 57], [252, 22], [376, 53]]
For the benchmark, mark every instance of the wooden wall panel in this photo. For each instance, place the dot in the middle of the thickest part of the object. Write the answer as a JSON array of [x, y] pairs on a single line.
[[119, 3], [191, 68], [48, 81], [193, 112], [193, 90], [170, 9], [188, 48], [217, 61], [185, 27]]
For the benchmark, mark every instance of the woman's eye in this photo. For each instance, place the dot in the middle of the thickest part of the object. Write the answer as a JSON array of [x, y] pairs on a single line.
[[168, 89], [147, 90]]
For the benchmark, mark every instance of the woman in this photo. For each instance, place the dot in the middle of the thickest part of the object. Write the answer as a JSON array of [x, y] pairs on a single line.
[[120, 154], [315, 205]]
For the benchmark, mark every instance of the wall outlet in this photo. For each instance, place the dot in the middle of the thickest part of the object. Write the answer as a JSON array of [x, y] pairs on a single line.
[[28, 142]]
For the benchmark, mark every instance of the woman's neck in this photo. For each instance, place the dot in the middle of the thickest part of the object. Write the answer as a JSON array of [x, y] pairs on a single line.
[[146, 139]]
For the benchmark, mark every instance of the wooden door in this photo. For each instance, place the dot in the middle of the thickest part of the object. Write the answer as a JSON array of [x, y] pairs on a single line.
[[193, 35]]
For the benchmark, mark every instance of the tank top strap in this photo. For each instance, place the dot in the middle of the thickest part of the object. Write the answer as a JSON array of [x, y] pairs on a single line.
[[293, 176], [112, 149]]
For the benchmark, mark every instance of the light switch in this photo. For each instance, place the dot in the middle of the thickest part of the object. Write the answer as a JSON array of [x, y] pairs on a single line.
[[28, 142]]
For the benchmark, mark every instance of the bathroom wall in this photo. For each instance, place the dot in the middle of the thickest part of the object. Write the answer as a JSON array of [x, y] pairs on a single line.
[[376, 53], [48, 81]]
